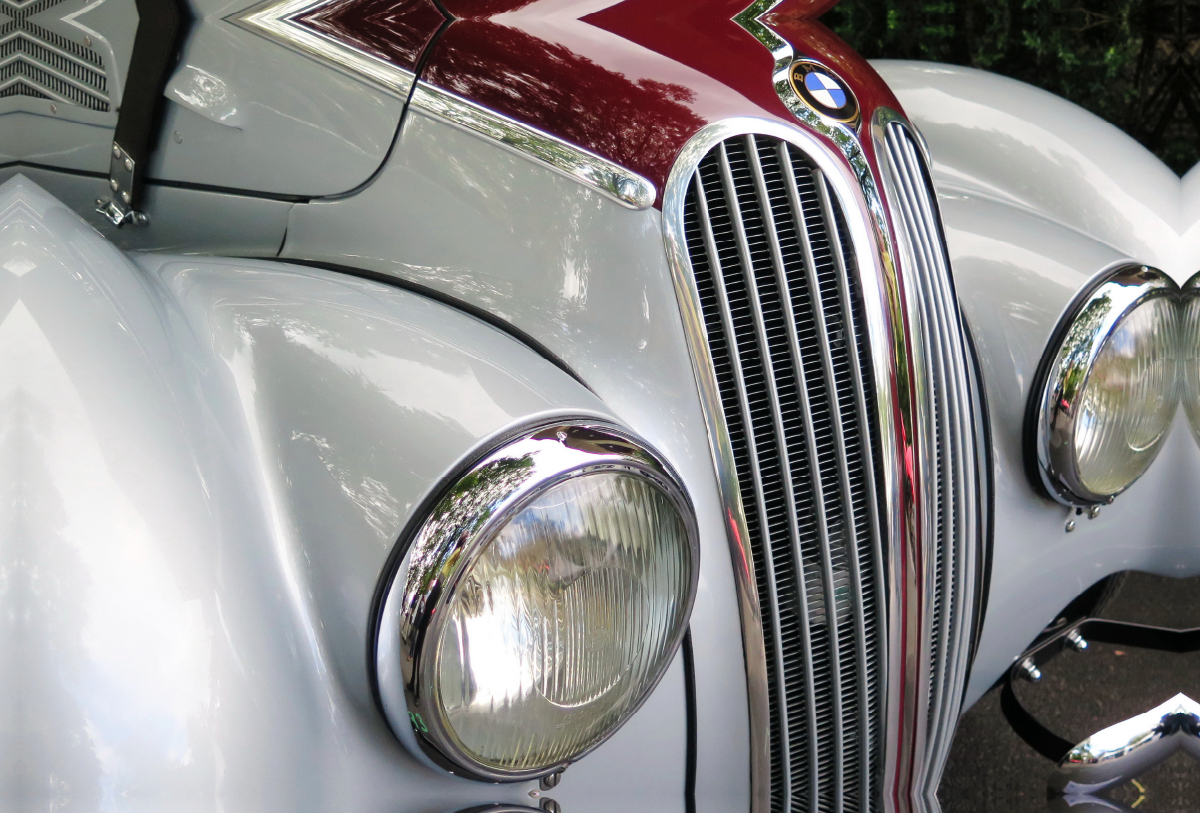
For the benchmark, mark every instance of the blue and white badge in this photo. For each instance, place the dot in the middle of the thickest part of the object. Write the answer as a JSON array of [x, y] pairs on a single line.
[[824, 91]]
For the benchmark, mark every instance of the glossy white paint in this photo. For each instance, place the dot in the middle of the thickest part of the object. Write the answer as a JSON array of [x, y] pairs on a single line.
[[1038, 198], [587, 278], [234, 98], [203, 465]]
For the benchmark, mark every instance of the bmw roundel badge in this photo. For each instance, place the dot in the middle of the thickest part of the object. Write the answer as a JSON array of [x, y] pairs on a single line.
[[824, 91]]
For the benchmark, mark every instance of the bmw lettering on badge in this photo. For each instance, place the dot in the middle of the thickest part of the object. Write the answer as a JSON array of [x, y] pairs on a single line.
[[824, 92]]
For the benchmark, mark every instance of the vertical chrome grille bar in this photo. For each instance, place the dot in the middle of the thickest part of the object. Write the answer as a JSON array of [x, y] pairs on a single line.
[[862, 579], [805, 442], [953, 584], [773, 641], [837, 735], [869, 550]]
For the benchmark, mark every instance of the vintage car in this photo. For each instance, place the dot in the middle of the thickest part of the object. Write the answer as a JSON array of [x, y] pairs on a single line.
[[437, 405]]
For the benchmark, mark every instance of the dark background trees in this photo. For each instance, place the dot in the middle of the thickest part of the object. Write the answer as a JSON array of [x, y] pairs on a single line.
[[1135, 63]]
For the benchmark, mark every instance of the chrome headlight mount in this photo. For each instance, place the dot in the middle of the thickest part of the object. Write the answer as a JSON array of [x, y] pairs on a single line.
[[1115, 324], [646, 566]]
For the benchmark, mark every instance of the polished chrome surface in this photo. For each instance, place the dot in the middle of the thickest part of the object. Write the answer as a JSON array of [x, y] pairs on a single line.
[[461, 523], [274, 20], [1131, 747], [843, 131], [953, 493], [614, 181], [757, 405], [1095, 316]]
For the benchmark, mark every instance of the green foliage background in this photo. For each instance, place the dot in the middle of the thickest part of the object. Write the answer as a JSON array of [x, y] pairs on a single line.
[[1132, 62]]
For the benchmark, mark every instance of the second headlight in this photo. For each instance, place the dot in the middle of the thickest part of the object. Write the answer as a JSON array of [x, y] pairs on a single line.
[[1109, 389], [538, 604]]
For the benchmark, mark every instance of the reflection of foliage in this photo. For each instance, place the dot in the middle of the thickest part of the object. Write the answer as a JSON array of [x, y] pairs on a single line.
[[456, 518], [551, 87], [1132, 62]]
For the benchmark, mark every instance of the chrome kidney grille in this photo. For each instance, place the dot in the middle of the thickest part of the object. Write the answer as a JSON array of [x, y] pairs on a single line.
[[768, 275]]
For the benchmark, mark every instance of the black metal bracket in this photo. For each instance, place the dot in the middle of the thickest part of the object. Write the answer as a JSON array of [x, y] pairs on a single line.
[[1119, 633], [161, 26]]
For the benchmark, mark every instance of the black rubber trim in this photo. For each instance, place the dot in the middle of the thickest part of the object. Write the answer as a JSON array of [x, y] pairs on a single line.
[[439, 296], [987, 537], [155, 182], [689, 699], [160, 32]]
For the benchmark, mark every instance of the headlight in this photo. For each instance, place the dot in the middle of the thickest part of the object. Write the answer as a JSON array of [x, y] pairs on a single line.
[[1109, 388], [1189, 352], [538, 604]]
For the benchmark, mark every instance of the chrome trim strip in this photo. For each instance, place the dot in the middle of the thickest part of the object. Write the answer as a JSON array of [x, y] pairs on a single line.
[[275, 20], [852, 183], [950, 432], [441, 548], [614, 181], [1093, 317]]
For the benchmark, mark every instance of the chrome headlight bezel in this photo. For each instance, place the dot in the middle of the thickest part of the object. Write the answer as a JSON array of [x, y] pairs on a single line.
[[1094, 316], [444, 544]]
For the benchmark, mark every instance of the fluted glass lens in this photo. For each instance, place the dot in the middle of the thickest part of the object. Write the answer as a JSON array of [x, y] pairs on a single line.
[[564, 621], [1189, 357], [1129, 400]]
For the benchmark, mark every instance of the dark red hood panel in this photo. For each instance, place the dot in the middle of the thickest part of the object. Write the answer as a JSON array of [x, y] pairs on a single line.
[[634, 81]]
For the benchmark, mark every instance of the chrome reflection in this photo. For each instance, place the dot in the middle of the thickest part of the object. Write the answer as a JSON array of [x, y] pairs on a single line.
[[1061, 412], [438, 567], [1131, 747]]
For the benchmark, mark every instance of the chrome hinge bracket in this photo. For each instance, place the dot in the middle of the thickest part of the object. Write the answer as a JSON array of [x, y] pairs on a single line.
[[121, 173]]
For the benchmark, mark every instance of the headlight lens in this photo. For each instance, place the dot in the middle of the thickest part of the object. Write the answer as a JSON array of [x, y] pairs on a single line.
[[540, 603], [1110, 392], [1189, 356]]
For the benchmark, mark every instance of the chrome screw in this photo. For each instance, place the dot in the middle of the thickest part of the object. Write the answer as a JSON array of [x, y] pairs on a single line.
[[125, 197], [551, 806], [176, 137], [112, 184], [116, 151], [129, 165], [1093, 512], [1076, 641], [1070, 525], [54, 108], [533, 794], [1028, 670], [550, 781]]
